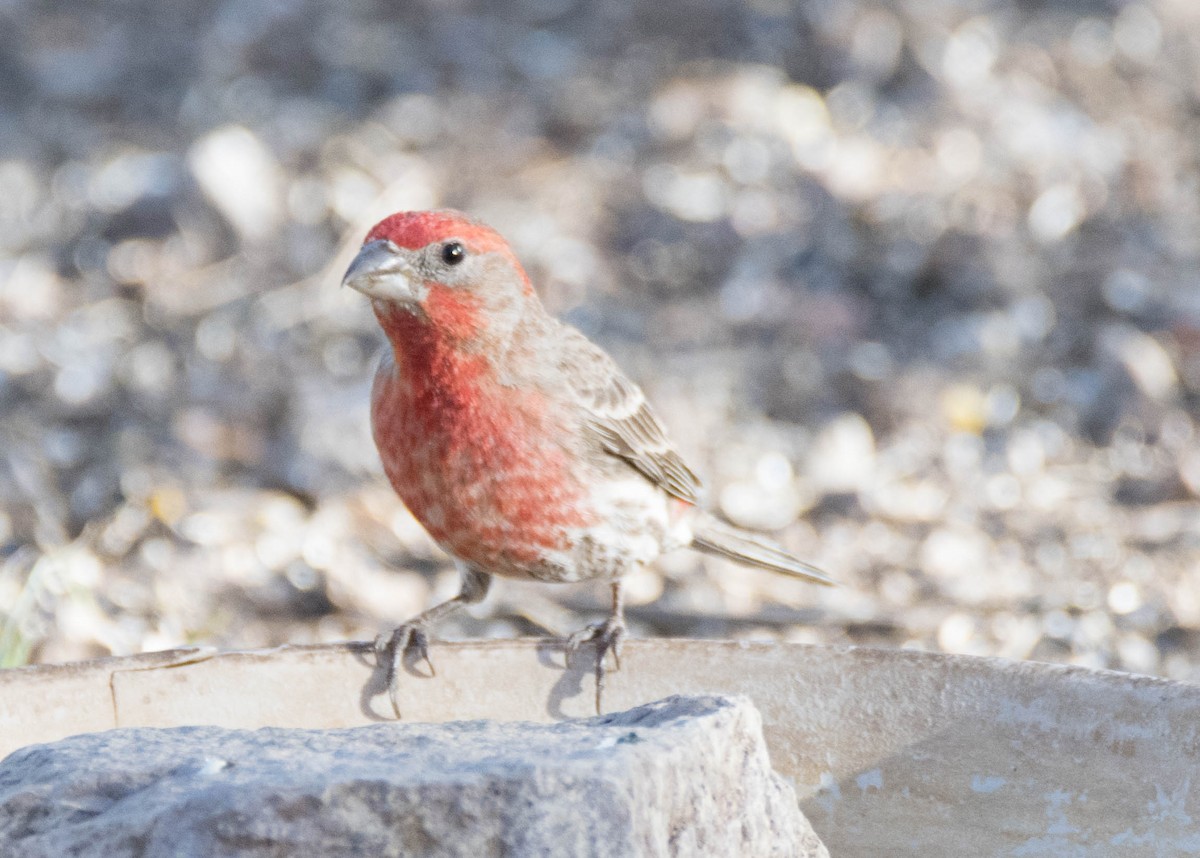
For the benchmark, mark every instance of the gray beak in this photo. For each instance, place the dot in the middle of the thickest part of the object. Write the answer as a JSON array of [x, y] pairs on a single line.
[[381, 271]]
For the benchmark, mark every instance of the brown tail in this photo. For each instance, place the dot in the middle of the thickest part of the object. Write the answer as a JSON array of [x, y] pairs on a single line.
[[724, 540]]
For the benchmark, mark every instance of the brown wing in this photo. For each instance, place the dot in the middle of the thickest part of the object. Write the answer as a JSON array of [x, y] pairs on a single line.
[[621, 418]]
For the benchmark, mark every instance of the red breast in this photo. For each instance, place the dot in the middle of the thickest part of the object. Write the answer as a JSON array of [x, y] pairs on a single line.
[[484, 468]]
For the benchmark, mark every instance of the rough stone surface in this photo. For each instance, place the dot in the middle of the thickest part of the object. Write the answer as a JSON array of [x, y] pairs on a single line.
[[684, 776]]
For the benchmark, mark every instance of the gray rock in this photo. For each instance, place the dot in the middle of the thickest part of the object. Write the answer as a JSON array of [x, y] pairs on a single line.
[[684, 776]]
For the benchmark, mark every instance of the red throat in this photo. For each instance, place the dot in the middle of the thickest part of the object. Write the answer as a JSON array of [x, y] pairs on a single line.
[[448, 319]]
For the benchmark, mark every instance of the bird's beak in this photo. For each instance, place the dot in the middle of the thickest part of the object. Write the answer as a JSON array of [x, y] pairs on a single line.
[[381, 271]]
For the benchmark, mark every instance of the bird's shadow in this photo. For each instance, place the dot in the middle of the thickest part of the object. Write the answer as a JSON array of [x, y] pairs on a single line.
[[553, 654], [376, 684], [550, 653]]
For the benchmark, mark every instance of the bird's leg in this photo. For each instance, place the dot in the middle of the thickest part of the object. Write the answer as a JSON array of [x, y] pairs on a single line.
[[607, 636], [391, 647]]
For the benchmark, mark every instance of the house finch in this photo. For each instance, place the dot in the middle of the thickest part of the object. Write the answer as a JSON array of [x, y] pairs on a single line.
[[516, 442]]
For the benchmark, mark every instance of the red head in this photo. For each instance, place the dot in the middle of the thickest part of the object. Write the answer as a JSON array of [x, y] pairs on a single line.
[[441, 270], [416, 230]]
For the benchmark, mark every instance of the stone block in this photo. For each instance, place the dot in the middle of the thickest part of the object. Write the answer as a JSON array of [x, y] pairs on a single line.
[[681, 777]]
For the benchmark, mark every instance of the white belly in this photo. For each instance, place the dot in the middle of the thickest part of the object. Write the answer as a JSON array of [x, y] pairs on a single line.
[[634, 526]]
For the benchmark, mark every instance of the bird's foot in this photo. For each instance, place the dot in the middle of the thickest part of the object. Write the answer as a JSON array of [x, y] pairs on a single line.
[[607, 636], [392, 648]]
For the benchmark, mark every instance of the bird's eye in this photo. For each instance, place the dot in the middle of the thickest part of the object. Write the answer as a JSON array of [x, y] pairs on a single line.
[[453, 253]]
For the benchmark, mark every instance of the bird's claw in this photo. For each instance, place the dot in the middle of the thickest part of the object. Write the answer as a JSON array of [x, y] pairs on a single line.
[[391, 649], [608, 637]]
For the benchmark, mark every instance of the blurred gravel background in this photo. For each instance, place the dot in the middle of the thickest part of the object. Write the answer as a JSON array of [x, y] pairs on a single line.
[[915, 285]]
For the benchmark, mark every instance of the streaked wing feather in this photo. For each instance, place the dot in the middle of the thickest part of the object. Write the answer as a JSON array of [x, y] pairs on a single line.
[[622, 419]]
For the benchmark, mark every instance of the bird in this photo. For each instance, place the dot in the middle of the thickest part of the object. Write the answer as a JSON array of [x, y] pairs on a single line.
[[517, 443]]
